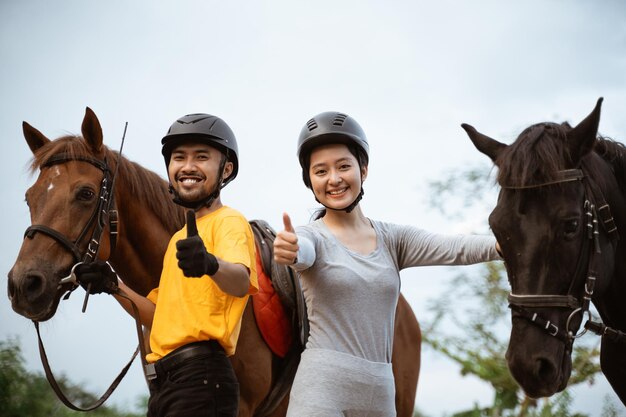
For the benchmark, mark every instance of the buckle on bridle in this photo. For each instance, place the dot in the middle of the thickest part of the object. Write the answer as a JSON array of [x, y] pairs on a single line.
[[553, 326]]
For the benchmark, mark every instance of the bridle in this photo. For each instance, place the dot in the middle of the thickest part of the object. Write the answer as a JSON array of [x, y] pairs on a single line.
[[103, 214], [597, 213]]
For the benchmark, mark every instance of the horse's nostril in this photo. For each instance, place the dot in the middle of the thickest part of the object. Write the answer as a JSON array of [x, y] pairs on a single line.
[[545, 370], [33, 284]]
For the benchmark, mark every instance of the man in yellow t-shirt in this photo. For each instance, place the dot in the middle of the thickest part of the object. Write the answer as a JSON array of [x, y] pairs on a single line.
[[209, 271]]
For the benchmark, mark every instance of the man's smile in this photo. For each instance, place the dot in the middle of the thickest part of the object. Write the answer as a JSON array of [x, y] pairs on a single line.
[[189, 181]]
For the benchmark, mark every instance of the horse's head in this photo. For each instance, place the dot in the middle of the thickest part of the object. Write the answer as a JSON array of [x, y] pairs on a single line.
[[63, 205], [546, 222]]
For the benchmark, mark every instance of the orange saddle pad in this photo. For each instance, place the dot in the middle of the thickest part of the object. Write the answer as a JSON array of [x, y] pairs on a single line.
[[270, 314]]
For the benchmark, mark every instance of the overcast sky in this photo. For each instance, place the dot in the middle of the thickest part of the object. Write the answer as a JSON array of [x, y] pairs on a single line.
[[409, 71]]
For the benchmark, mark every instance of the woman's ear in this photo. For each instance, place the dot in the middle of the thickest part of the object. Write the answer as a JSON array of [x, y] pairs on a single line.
[[363, 172]]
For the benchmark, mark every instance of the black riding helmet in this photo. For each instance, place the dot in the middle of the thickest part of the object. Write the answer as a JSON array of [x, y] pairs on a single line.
[[207, 129], [203, 128], [329, 128]]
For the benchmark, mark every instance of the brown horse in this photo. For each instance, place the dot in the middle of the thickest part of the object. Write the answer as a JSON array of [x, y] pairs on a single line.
[[63, 204]]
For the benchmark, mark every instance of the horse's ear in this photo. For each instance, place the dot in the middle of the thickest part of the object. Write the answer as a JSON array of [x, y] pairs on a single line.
[[484, 143], [34, 138], [92, 131], [582, 138]]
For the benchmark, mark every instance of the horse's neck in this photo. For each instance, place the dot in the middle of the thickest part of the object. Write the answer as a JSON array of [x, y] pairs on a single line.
[[611, 304], [141, 244]]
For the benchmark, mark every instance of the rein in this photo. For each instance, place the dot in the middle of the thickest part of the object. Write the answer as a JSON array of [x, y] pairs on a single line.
[[104, 214], [586, 267], [55, 385]]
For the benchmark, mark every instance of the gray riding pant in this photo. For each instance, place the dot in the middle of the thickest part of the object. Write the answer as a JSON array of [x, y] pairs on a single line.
[[335, 384]]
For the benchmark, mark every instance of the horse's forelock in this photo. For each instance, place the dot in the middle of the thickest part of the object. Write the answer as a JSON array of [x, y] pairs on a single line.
[[70, 145], [536, 156]]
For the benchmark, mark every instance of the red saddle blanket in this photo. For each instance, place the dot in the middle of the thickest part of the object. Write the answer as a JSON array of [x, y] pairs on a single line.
[[270, 314]]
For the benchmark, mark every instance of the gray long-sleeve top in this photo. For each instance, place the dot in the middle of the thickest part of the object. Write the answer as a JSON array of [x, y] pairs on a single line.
[[351, 298]]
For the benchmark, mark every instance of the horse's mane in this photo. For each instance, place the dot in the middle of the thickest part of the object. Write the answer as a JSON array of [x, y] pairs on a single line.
[[535, 157], [145, 186], [540, 152], [614, 153]]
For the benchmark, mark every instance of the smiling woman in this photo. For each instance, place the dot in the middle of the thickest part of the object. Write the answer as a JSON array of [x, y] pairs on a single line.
[[349, 266]]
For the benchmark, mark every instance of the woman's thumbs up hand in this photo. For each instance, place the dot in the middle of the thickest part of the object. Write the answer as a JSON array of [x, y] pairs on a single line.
[[286, 243]]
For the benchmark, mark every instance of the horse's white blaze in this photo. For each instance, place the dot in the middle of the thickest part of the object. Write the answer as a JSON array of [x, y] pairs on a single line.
[[57, 173]]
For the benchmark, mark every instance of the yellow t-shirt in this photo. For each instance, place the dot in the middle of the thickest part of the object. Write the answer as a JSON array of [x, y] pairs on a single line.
[[194, 309]]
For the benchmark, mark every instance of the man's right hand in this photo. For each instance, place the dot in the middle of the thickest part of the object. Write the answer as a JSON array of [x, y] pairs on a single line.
[[286, 243], [97, 277]]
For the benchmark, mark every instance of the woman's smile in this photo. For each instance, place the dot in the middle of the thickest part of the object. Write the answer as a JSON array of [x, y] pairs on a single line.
[[337, 192]]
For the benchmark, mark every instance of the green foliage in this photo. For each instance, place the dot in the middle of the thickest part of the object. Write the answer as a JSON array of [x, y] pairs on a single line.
[[460, 190], [23, 393]]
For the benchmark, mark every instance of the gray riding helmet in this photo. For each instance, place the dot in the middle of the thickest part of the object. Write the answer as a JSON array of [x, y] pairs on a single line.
[[327, 128], [203, 128]]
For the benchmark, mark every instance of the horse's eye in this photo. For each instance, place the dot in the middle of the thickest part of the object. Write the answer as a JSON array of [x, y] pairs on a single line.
[[85, 194], [570, 228]]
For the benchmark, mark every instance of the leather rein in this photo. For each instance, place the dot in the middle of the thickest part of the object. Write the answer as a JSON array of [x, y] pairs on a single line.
[[597, 212], [104, 214]]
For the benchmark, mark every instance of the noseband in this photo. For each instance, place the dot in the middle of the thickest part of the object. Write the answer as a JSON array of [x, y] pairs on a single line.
[[596, 210], [102, 215]]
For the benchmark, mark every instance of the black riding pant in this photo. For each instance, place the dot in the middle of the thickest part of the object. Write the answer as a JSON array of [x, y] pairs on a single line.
[[196, 380]]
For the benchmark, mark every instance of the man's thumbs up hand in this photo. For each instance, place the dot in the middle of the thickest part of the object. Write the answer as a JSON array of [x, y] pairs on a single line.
[[286, 243], [191, 253]]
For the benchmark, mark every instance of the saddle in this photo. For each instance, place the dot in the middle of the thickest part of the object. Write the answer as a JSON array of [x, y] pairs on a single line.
[[279, 306], [280, 313]]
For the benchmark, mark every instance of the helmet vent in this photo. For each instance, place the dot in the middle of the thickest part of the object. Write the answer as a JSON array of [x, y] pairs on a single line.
[[339, 119], [311, 125], [195, 118]]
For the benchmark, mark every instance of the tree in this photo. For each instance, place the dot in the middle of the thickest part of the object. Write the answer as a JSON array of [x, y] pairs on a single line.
[[28, 394], [476, 308]]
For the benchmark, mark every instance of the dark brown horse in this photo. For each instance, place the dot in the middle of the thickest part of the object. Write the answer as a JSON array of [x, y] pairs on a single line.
[[62, 205], [560, 188]]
